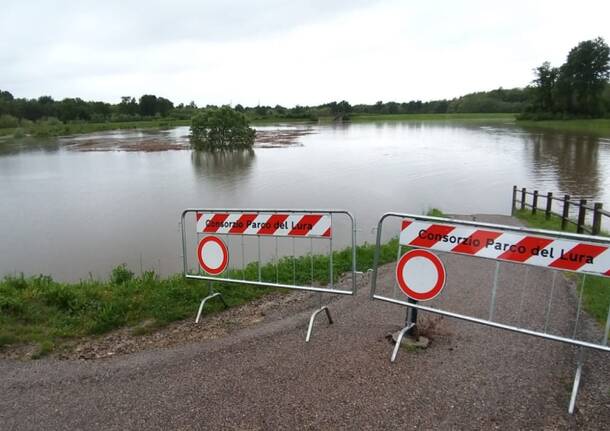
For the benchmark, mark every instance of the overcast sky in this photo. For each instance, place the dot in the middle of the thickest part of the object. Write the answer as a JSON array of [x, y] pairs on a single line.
[[285, 52]]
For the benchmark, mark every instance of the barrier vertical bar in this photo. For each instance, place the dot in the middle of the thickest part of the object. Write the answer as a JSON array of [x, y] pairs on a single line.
[[277, 263], [607, 330], [548, 312], [243, 259], [582, 290], [294, 263], [330, 246], [527, 271], [259, 256], [492, 305]]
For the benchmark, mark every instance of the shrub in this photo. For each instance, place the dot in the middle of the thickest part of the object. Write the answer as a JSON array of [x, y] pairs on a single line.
[[221, 128], [8, 122], [121, 274]]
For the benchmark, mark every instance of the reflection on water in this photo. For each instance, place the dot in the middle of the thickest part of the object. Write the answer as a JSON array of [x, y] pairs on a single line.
[[572, 160], [219, 165], [10, 146], [69, 213]]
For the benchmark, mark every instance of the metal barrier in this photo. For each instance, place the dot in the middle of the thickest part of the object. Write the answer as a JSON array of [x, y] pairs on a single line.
[[420, 276], [225, 240]]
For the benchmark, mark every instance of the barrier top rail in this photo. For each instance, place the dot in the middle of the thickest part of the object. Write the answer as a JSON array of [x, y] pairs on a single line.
[[269, 222]]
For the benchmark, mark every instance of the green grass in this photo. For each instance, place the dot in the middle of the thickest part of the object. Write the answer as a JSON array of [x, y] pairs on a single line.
[[596, 295], [540, 221], [597, 127], [46, 312], [357, 118], [45, 129]]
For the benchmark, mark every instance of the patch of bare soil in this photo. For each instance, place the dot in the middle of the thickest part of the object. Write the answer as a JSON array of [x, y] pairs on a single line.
[[264, 139], [146, 145], [280, 138]]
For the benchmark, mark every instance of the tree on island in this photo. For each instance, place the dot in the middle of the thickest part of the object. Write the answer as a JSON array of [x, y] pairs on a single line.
[[221, 128]]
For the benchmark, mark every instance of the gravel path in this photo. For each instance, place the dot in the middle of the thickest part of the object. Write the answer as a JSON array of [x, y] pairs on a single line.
[[264, 376]]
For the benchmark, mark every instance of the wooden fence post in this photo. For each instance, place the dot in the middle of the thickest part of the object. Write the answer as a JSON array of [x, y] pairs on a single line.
[[549, 205], [514, 203], [597, 218], [523, 198], [566, 212], [535, 202], [582, 212]]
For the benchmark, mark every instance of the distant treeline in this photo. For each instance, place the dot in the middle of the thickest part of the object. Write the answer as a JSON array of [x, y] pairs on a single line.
[[15, 112]]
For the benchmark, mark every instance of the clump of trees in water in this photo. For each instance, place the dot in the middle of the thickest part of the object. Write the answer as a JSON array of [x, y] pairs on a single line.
[[578, 88], [221, 128]]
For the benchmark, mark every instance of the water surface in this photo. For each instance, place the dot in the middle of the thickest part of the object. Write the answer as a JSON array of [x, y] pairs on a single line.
[[77, 214]]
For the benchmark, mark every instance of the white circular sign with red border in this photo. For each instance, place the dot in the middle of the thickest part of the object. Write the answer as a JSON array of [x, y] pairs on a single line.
[[420, 274], [213, 255]]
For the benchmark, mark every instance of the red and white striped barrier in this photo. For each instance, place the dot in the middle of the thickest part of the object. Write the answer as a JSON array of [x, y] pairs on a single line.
[[509, 246], [266, 224]]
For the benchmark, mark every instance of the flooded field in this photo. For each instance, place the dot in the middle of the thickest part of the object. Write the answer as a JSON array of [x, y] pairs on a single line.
[[76, 207]]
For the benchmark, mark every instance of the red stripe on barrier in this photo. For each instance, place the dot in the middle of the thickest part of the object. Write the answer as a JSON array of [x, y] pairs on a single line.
[[431, 235], [198, 215], [522, 250], [578, 256], [476, 242], [243, 220], [607, 273], [327, 233], [304, 226], [273, 224], [214, 221], [405, 224]]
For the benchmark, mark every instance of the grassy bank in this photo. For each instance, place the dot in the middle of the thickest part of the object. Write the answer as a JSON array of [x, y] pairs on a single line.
[[363, 118], [596, 127], [56, 128], [43, 311], [596, 295]]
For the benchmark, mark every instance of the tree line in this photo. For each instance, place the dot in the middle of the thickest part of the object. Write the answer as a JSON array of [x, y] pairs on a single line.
[[577, 88], [14, 112]]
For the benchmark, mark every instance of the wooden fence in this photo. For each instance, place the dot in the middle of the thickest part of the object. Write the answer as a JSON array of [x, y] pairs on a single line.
[[522, 200]]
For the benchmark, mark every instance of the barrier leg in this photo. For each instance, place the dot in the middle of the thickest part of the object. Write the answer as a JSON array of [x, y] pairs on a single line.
[[213, 295], [576, 382], [313, 317], [402, 333]]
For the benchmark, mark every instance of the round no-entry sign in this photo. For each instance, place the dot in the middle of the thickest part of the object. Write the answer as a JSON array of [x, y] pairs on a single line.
[[420, 274], [213, 255]]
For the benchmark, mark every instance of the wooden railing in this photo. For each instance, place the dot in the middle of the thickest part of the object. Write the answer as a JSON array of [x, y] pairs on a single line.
[[521, 200]]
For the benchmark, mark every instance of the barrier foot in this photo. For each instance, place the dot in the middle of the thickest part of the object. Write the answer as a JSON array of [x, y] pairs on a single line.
[[213, 295], [576, 383], [402, 333], [313, 317]]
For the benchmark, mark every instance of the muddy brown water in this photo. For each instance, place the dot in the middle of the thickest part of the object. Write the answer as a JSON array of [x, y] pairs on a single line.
[[77, 214]]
